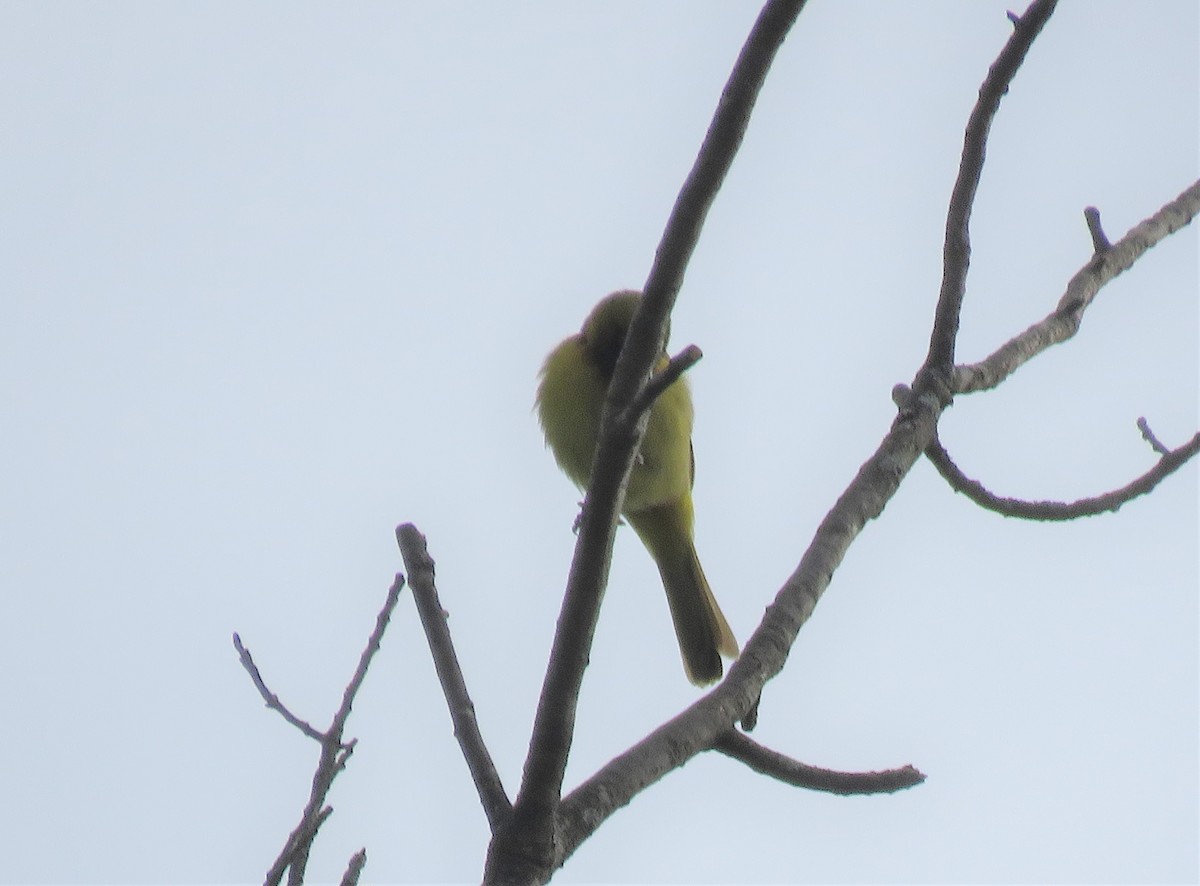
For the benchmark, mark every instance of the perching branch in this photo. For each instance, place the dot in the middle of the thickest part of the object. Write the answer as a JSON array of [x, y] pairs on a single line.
[[783, 768], [720, 146], [528, 851], [1170, 462], [1064, 322], [293, 858], [419, 564], [698, 727], [956, 252]]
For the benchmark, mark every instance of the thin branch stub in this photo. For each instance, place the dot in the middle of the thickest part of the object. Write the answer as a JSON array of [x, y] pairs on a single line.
[[1100, 241], [660, 381], [1148, 435]]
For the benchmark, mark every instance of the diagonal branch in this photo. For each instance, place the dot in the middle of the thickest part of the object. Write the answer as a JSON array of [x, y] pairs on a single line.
[[354, 868], [1171, 461], [956, 253], [462, 711], [1148, 435], [715, 158], [783, 768], [517, 853], [364, 660], [270, 697], [660, 381], [1064, 322]]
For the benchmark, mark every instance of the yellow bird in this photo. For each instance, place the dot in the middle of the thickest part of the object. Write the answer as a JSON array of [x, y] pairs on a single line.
[[658, 500]]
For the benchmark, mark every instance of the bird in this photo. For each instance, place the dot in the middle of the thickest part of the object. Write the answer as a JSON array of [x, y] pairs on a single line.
[[658, 499]]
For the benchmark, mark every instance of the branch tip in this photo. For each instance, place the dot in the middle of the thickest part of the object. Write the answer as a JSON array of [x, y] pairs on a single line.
[[956, 249], [1100, 241], [1148, 435], [802, 775], [354, 869], [270, 698], [1064, 321], [660, 381]]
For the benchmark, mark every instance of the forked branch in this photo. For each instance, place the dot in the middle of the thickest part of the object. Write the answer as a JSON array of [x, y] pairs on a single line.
[[1081, 291], [293, 858]]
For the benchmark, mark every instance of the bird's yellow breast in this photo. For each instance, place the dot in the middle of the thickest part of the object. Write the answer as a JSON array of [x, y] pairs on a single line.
[[570, 400]]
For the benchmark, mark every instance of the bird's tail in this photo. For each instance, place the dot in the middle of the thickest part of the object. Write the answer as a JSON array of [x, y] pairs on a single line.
[[703, 633]]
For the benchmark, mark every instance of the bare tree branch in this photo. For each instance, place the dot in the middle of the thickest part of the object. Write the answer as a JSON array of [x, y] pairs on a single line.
[[698, 727], [764, 654], [354, 869], [1148, 435], [293, 858], [1064, 322], [956, 254], [270, 697], [660, 381], [1171, 461], [783, 768], [364, 661], [522, 852], [294, 855], [419, 564], [1100, 241]]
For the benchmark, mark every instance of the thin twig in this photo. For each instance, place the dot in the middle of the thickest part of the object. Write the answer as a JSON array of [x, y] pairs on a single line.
[[1099, 239], [783, 768], [364, 661], [660, 381], [1171, 461], [1148, 435], [270, 697], [956, 254], [1065, 320], [419, 564]]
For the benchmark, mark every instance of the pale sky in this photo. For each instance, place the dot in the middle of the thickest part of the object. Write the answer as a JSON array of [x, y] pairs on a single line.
[[279, 276]]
